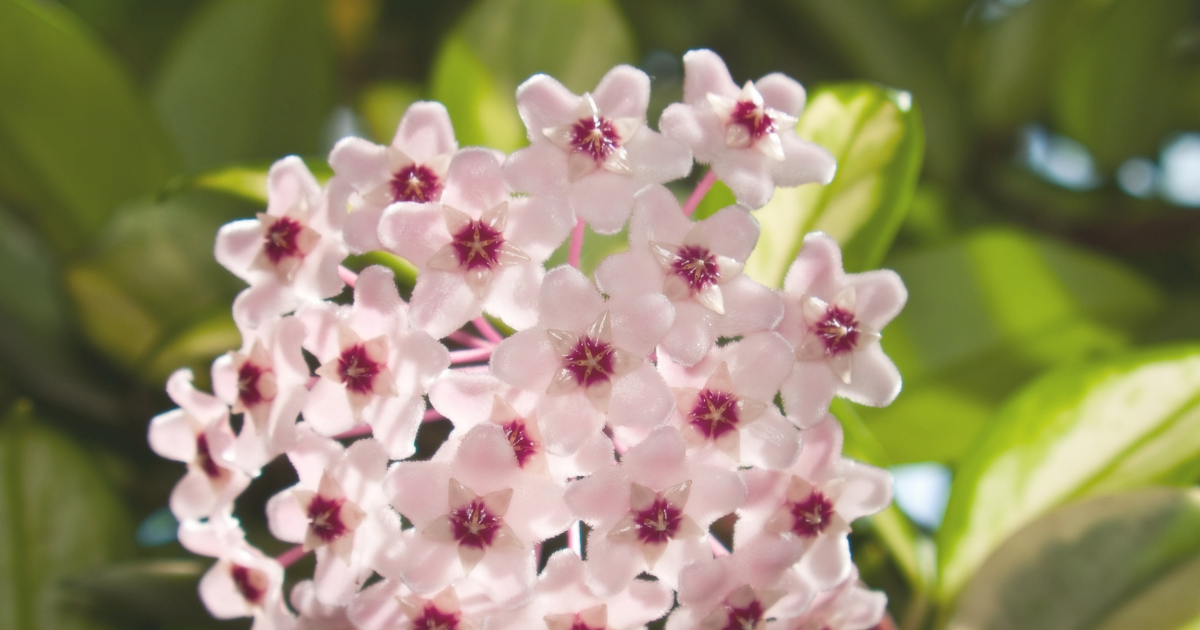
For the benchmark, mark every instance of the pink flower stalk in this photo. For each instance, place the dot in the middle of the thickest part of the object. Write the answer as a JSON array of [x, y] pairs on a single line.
[[643, 405]]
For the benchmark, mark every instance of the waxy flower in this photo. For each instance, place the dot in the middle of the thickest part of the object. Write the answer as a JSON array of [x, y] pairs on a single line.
[[477, 249], [267, 381], [814, 502], [833, 320], [748, 133], [595, 150], [588, 356], [698, 266], [478, 516], [340, 489], [374, 368], [199, 434], [288, 255], [413, 169], [245, 583], [389, 604], [848, 606], [651, 513]]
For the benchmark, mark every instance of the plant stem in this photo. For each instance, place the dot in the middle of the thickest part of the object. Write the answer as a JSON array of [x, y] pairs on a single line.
[[702, 188]]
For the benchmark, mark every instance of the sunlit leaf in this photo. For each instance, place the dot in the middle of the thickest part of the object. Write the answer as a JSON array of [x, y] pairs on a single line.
[[76, 140], [250, 80], [58, 518], [500, 43], [985, 314], [877, 138], [1080, 431], [1123, 562], [383, 105]]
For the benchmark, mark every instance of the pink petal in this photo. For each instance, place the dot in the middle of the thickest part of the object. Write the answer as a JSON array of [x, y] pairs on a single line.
[[382, 542], [431, 567], [538, 225], [827, 561], [639, 322], [193, 497], [658, 158], [171, 436], [611, 566], [238, 245], [205, 408], [640, 399], [425, 131], [442, 302], [715, 493], [874, 379], [822, 451], [419, 490], [219, 593], [538, 169], [288, 182], [485, 461], [604, 199], [697, 129], [770, 442], [362, 229], [804, 163], [328, 409], [514, 295], [704, 72], [377, 306], [657, 216], [544, 102], [732, 232], [466, 399], [692, 335], [538, 510], [570, 302], [679, 554], [880, 295], [414, 231], [759, 363], [749, 307], [817, 269], [526, 360], [867, 490], [808, 391], [624, 92], [508, 574], [361, 163], [600, 498], [377, 607], [263, 301], [570, 420], [312, 455], [747, 173], [361, 470], [657, 462], [629, 273], [394, 421], [335, 581], [474, 183], [286, 518], [781, 92]]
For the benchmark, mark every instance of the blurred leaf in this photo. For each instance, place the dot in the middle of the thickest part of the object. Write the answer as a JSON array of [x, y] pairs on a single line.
[[986, 313], [1124, 562], [500, 43], [1117, 79], [718, 197], [58, 517], [249, 80], [152, 297], [1080, 431], [35, 331], [596, 247], [75, 138], [383, 105], [240, 181], [162, 591], [877, 138]]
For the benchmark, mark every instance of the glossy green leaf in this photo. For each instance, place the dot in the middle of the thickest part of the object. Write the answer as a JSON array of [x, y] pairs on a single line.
[[58, 518], [985, 314], [152, 297], [76, 140], [500, 43], [1119, 76], [249, 80], [1080, 431], [1122, 562], [876, 135]]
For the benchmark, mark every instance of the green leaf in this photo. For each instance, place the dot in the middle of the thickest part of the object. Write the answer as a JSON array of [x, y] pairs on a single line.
[[162, 591], [596, 247], [876, 135], [1082, 430], [500, 43], [58, 517], [1119, 77], [383, 105], [76, 140], [249, 80], [985, 314], [152, 297], [1123, 562]]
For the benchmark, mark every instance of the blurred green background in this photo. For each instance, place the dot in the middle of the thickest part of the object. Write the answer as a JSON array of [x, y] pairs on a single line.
[[1030, 167]]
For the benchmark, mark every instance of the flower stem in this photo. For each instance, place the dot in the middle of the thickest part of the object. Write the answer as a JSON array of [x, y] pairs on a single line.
[[347, 276], [289, 557], [485, 328], [431, 415], [470, 355], [576, 245], [702, 188], [575, 538], [467, 339], [358, 431]]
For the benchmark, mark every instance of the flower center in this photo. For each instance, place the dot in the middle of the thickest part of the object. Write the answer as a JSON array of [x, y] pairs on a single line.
[[415, 183], [745, 618], [714, 414], [478, 245], [325, 518], [754, 118], [247, 384], [357, 370], [474, 525], [523, 447], [697, 266], [590, 362], [659, 522], [811, 516], [205, 461], [282, 240], [251, 584], [582, 625], [838, 330], [433, 619], [596, 136]]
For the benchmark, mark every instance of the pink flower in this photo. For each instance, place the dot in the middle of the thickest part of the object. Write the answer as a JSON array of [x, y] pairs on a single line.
[[199, 434], [563, 601], [814, 502], [245, 583], [593, 150], [335, 509], [746, 134], [848, 606], [368, 177], [724, 404], [374, 368], [698, 266], [289, 255], [478, 249], [833, 320], [389, 604], [588, 356], [268, 382], [651, 513], [478, 516]]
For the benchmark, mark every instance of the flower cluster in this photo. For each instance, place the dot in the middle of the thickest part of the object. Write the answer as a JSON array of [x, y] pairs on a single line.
[[667, 393]]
